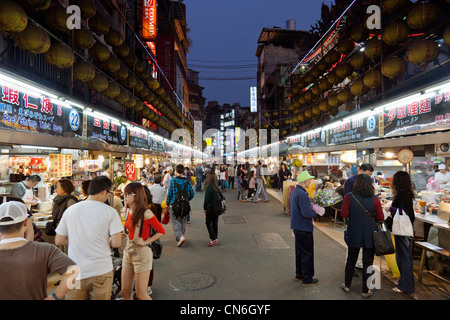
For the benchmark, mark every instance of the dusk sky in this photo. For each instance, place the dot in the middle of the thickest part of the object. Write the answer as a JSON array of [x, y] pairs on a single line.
[[224, 36]]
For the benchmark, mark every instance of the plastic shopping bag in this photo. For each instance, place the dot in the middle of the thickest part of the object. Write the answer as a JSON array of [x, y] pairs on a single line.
[[401, 225]]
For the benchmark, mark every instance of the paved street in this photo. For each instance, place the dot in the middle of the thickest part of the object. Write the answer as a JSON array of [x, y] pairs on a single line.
[[254, 260]]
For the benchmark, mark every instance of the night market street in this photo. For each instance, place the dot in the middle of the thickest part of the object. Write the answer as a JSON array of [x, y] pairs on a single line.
[[245, 267]]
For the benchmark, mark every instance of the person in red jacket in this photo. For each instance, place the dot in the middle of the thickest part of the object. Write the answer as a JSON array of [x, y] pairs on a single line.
[[138, 256]]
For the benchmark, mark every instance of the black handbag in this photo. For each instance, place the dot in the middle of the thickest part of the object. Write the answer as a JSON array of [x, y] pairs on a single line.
[[156, 246], [382, 239]]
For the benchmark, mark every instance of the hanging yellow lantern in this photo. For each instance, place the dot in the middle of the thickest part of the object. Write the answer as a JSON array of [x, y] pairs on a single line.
[[333, 101], [139, 67], [33, 39], [121, 74], [83, 71], [423, 52], [332, 56], [315, 89], [283, 132], [139, 106], [266, 125], [393, 67], [121, 51], [123, 97], [316, 110], [359, 33], [393, 5], [60, 55], [130, 60], [99, 83], [131, 102], [324, 84], [301, 117], [343, 70], [56, 18], [276, 124], [129, 82], [139, 86], [112, 91], [358, 88], [359, 60], [372, 48], [153, 84], [83, 39], [294, 129], [372, 78], [99, 52], [345, 46], [345, 95], [302, 100], [309, 78], [333, 78], [315, 72], [88, 8], [395, 32], [323, 105], [309, 96], [422, 16], [301, 84], [322, 65], [112, 64], [98, 24], [446, 35], [12, 17], [113, 38], [39, 5], [275, 113], [308, 113]]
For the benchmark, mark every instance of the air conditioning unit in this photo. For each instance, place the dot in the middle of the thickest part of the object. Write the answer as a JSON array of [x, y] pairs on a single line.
[[442, 150]]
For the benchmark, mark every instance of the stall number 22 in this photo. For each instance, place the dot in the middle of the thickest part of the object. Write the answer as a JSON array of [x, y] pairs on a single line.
[[74, 120]]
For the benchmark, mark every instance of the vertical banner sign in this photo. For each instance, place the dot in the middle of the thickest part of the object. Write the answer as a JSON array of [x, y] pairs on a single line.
[[165, 55], [149, 19], [253, 100], [130, 170]]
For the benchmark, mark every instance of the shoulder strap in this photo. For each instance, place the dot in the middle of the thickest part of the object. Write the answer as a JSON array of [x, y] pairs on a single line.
[[371, 216]]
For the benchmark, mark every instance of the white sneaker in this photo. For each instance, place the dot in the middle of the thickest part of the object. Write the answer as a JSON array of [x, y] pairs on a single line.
[[181, 241]]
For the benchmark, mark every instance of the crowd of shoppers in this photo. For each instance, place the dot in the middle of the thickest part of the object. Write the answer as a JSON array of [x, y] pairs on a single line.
[[87, 230]]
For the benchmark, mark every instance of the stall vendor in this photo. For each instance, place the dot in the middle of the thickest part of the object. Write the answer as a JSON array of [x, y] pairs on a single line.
[[24, 190], [442, 176]]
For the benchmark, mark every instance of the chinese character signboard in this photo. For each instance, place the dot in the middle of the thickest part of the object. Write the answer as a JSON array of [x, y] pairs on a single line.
[[253, 100], [105, 130], [354, 129], [60, 165], [422, 115], [139, 138], [38, 114]]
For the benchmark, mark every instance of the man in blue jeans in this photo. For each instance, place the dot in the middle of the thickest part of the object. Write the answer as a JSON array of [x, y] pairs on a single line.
[[260, 183], [302, 216]]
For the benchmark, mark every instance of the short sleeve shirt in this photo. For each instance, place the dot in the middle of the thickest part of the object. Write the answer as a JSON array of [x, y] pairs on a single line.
[[24, 270], [89, 225]]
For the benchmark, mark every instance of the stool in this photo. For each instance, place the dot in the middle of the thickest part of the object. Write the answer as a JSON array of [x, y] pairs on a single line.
[[426, 246]]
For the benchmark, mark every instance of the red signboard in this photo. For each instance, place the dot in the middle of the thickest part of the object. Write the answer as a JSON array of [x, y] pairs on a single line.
[[165, 54], [130, 170], [149, 19]]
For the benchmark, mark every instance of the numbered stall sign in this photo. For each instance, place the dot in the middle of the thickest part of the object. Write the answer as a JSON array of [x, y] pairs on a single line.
[[130, 170]]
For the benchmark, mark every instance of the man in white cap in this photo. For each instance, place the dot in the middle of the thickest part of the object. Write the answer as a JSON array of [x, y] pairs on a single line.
[[302, 216], [167, 177], [442, 176], [25, 265]]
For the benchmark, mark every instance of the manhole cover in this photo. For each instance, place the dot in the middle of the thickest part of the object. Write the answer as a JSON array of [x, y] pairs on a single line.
[[193, 281], [233, 220], [270, 241]]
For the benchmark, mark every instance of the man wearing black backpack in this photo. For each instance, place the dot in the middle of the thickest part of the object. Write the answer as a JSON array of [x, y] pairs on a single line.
[[178, 197]]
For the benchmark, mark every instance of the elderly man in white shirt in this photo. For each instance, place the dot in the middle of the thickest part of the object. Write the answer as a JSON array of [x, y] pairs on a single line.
[[158, 195], [167, 178]]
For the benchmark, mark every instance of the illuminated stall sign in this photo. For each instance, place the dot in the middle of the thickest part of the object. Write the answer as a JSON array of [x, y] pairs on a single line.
[[422, 115], [106, 130], [149, 20], [354, 129], [316, 139], [157, 144], [139, 138], [38, 114]]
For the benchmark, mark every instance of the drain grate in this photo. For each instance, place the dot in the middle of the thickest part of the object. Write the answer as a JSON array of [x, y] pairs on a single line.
[[234, 220], [270, 241], [193, 281]]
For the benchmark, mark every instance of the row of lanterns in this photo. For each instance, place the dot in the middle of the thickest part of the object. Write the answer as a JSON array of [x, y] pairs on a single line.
[[420, 17], [32, 38]]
